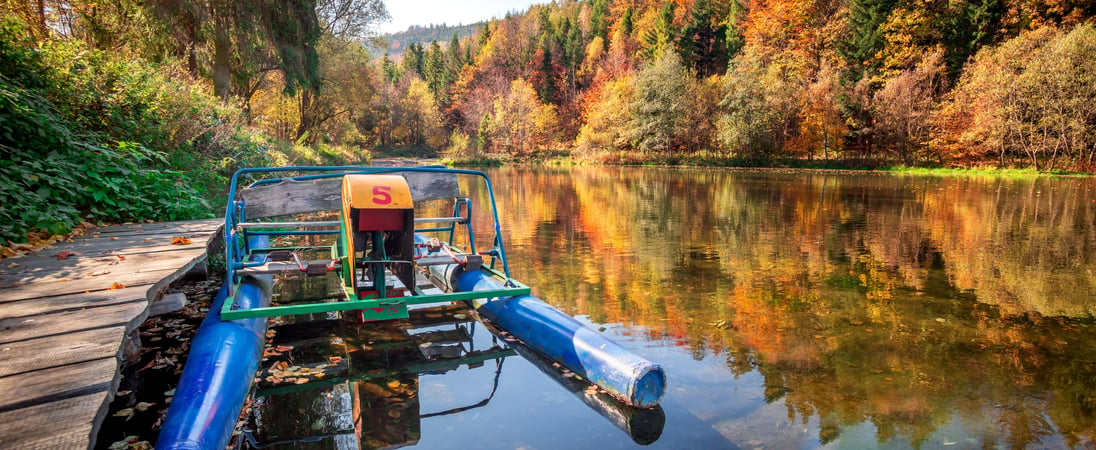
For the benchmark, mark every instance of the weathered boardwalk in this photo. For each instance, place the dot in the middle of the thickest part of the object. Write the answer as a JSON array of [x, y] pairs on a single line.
[[64, 322]]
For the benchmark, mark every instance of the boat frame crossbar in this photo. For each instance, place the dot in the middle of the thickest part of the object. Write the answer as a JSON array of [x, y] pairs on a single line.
[[242, 260]]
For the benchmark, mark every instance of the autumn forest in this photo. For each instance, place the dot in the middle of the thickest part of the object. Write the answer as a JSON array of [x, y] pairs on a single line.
[[127, 109]]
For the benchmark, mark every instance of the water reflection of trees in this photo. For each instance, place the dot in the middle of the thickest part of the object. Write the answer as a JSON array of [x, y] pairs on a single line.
[[906, 301]]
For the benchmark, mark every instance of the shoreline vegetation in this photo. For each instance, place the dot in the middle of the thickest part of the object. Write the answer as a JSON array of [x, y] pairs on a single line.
[[134, 110]]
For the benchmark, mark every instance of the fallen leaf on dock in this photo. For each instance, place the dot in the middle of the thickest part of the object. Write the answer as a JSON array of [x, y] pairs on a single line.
[[114, 238], [180, 241], [117, 286], [64, 254], [99, 272], [120, 256]]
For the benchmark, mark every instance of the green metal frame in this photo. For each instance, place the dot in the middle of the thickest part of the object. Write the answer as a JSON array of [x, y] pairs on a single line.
[[355, 303]]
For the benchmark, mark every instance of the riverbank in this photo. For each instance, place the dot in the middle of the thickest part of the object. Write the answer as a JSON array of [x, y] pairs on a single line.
[[715, 161]]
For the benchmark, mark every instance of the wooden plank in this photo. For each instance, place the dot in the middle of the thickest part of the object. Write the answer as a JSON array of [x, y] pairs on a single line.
[[67, 424], [58, 383], [183, 226], [85, 285], [61, 303], [159, 276], [104, 246], [432, 185], [128, 315], [295, 197], [55, 351], [77, 267], [292, 197]]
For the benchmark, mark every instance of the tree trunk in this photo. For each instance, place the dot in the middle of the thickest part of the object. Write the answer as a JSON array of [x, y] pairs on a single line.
[[42, 19], [221, 47], [305, 111]]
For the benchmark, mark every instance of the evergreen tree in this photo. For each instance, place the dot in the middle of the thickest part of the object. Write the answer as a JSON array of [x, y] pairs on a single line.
[[413, 59], [661, 37], [456, 55], [599, 25], [436, 73], [864, 38], [969, 26], [703, 43], [627, 21], [389, 69], [736, 19]]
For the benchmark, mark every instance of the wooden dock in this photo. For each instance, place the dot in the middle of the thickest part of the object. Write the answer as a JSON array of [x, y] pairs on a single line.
[[65, 314]]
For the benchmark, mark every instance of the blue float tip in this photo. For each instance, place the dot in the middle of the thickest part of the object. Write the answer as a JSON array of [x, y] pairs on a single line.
[[649, 387]]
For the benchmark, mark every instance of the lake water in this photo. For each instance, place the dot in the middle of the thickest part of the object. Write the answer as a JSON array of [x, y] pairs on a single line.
[[789, 310]]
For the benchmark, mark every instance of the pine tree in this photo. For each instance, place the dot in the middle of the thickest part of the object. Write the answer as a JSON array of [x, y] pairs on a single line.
[[661, 37], [864, 38], [735, 20], [703, 43], [413, 59], [436, 73], [599, 25]]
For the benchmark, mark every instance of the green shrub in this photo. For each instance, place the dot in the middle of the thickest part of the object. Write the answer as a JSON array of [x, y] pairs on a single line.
[[63, 152]]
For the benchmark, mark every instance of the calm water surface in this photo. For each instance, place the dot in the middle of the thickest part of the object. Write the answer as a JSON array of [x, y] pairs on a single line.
[[788, 309]]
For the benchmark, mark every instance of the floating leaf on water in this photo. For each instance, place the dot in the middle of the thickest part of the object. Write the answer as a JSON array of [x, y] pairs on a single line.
[[459, 316], [283, 348], [301, 380], [335, 359], [281, 365], [426, 344], [128, 443], [394, 384], [143, 406], [122, 393], [127, 413]]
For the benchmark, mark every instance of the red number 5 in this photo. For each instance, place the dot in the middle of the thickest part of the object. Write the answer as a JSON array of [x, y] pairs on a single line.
[[381, 195]]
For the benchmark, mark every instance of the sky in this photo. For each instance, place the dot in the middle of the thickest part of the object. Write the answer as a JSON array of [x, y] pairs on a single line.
[[425, 12]]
